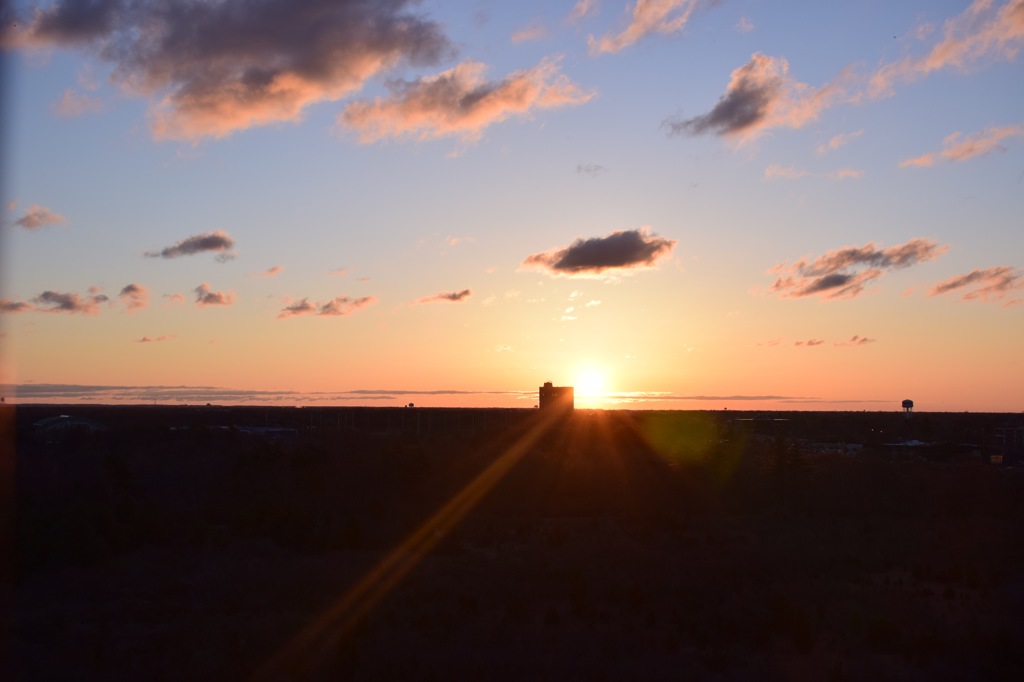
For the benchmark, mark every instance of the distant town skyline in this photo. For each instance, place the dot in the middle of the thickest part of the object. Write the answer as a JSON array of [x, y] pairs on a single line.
[[667, 204]]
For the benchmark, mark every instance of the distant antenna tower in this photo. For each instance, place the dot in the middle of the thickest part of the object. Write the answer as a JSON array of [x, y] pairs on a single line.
[[908, 407]]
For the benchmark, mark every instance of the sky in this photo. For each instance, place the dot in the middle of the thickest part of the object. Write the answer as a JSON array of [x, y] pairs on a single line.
[[668, 204]]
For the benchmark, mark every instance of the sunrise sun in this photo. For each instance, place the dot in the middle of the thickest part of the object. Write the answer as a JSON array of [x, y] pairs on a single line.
[[590, 383]]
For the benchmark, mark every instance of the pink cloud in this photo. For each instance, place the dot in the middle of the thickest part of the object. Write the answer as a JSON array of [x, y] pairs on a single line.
[[855, 340], [844, 273], [762, 95], [958, 147], [775, 172], [647, 16], [450, 297], [205, 296], [213, 68], [57, 302], [984, 31], [270, 272], [339, 306], [134, 297], [837, 141], [535, 31], [582, 9], [72, 104], [990, 284], [460, 102], [809, 343], [157, 339], [37, 216]]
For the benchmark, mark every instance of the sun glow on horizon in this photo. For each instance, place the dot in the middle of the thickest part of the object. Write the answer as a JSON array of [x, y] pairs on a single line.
[[590, 383]]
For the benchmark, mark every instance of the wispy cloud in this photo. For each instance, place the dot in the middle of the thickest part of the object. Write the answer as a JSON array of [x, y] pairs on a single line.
[[990, 284], [460, 102], [582, 9], [855, 340], [809, 343], [36, 216], [205, 296], [744, 25], [958, 147], [270, 272], [213, 68], [591, 169], [536, 30], [450, 297], [218, 242], [837, 141], [339, 306], [621, 251], [775, 172], [646, 17], [761, 95], [134, 297], [174, 298], [986, 31], [155, 339], [845, 272], [72, 104]]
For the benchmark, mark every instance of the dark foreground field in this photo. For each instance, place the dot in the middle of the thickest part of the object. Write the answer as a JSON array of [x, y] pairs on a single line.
[[502, 546]]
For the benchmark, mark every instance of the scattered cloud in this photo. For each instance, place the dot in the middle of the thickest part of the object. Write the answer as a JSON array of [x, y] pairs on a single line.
[[460, 102], [855, 340], [744, 25], [36, 216], [582, 9], [211, 69], [57, 302], [535, 31], [504, 348], [218, 242], [846, 174], [134, 297], [270, 272], [957, 147], [990, 284], [592, 304], [451, 297], [621, 251], [339, 306], [340, 272], [774, 172], [985, 31], [761, 95], [205, 296], [155, 339], [591, 169], [845, 272], [647, 16], [174, 298], [837, 141], [8, 306], [72, 104], [809, 343]]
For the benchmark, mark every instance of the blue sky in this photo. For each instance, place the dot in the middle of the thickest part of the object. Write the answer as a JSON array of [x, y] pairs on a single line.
[[837, 187]]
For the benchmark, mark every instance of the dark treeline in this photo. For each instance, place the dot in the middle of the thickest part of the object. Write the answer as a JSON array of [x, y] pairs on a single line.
[[172, 543]]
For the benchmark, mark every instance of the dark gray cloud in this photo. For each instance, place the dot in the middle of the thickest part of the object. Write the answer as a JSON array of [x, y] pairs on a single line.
[[761, 95], [338, 306], [845, 272], [621, 251], [451, 296], [990, 284], [213, 67], [206, 296], [218, 242], [57, 302]]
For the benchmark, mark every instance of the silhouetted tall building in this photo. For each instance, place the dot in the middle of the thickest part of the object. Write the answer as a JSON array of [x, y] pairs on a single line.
[[556, 397]]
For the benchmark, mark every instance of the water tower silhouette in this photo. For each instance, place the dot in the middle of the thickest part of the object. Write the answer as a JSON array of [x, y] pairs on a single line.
[[908, 407]]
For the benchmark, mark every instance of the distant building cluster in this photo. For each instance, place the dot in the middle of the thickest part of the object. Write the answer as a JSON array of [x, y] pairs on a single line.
[[556, 397]]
